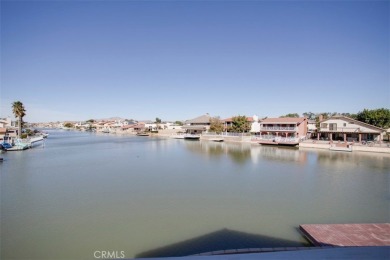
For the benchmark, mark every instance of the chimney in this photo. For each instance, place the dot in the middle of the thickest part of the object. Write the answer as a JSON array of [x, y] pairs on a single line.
[[320, 118]]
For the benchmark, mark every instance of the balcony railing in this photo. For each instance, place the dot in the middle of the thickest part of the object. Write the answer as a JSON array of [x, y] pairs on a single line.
[[278, 128]]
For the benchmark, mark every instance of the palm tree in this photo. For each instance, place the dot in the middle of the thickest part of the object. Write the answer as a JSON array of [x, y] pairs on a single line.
[[19, 112]]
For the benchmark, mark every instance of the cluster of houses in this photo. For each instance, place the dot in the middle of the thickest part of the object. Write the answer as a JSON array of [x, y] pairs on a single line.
[[114, 125], [336, 128]]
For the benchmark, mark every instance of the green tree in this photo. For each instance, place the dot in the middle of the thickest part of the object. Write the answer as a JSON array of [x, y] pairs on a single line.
[[158, 122], [309, 115], [240, 124], [216, 125], [291, 115], [19, 112], [178, 123], [69, 125], [90, 126], [377, 117]]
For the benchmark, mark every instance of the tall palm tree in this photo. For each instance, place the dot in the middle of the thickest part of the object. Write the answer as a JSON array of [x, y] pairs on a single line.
[[19, 112]]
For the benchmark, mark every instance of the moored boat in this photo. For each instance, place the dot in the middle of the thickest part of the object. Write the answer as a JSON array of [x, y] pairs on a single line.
[[177, 136], [142, 134], [281, 142], [191, 137], [217, 140]]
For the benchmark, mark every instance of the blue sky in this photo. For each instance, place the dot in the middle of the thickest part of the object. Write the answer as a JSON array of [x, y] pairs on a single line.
[[76, 60]]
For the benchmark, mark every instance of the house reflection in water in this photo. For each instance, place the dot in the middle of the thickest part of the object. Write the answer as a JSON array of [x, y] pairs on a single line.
[[281, 154], [238, 152], [241, 153]]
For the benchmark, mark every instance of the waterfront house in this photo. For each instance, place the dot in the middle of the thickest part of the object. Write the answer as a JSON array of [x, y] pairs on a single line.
[[8, 134], [311, 128], [6, 122], [197, 125], [3, 123], [293, 129], [255, 125], [134, 127], [3, 131], [344, 128], [152, 126], [172, 126]]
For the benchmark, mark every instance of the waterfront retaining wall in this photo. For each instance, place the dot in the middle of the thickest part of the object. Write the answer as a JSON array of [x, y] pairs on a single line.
[[227, 138], [357, 148]]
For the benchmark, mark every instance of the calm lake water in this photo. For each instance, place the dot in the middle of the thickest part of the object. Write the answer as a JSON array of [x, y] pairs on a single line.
[[83, 193]]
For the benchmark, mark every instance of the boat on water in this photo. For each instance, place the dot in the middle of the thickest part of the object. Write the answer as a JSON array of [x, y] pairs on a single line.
[[4, 146], [177, 136], [18, 146], [142, 134], [44, 135], [191, 137], [217, 140]]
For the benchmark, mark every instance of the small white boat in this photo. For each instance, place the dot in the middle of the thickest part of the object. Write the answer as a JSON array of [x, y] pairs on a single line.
[[177, 136], [142, 134], [217, 140], [191, 137]]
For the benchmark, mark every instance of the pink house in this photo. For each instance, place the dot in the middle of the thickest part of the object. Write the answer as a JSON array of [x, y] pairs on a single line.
[[287, 130]]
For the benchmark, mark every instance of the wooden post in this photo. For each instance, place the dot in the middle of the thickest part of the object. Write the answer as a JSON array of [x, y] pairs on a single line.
[[345, 137]]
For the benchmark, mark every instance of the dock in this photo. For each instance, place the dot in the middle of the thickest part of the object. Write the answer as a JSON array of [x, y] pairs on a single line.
[[376, 234]]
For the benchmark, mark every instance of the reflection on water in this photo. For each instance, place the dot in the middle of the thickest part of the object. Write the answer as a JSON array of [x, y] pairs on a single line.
[[243, 152], [343, 159], [84, 192], [237, 152]]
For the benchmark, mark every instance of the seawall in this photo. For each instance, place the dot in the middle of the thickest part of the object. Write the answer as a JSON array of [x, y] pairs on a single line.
[[357, 148]]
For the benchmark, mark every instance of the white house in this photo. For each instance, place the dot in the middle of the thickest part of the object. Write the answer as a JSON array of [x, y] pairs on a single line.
[[311, 128], [5, 122], [255, 125], [343, 128]]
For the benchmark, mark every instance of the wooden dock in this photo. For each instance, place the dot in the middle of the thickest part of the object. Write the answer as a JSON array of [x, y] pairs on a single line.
[[347, 234]]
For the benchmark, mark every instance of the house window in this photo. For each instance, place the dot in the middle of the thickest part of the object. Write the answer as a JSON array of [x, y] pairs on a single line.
[[345, 124], [324, 125], [333, 127]]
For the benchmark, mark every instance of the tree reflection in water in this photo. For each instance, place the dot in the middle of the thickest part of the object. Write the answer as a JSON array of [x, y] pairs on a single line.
[[238, 152]]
